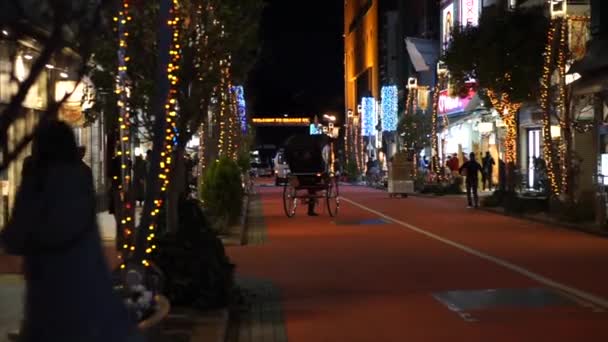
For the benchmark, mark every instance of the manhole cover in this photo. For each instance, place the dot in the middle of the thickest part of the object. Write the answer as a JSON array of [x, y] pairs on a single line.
[[471, 300], [366, 222]]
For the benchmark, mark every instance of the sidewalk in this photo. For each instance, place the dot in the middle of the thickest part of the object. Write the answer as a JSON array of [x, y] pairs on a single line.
[[11, 304], [181, 325]]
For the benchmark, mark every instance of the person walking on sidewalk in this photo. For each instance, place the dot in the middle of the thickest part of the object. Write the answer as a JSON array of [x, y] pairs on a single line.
[[488, 169], [69, 295], [471, 170]]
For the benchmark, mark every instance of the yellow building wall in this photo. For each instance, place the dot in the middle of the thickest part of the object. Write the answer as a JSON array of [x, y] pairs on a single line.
[[360, 50]]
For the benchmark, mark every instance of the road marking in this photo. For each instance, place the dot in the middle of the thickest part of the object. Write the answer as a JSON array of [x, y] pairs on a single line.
[[599, 301]]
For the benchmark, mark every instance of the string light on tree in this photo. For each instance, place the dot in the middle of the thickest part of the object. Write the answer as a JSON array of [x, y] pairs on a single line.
[[507, 111], [561, 64], [171, 132], [434, 133], [127, 212], [544, 103]]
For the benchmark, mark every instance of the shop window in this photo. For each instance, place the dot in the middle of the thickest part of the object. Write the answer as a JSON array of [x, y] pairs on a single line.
[[20, 67]]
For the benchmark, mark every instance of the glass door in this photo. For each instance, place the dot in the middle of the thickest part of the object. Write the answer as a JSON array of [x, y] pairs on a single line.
[[533, 153]]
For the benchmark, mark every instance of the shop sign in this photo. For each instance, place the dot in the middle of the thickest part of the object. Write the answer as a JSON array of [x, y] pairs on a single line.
[[72, 110], [423, 97], [558, 8], [281, 121], [469, 12], [450, 105]]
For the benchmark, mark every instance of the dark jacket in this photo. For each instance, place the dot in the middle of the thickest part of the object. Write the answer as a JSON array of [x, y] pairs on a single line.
[[472, 168], [488, 164], [69, 295]]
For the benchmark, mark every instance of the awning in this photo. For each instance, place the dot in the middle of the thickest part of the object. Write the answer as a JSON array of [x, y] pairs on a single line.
[[423, 53], [475, 103], [591, 83], [594, 60], [593, 69]]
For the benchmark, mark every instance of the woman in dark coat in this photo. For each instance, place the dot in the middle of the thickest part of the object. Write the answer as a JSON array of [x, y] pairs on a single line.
[[69, 295]]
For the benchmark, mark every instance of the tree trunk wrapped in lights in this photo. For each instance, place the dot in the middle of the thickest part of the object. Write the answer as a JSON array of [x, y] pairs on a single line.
[[434, 134], [556, 58], [548, 150], [508, 113]]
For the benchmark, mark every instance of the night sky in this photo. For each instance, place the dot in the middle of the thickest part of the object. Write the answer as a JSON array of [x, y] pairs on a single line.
[[300, 70]]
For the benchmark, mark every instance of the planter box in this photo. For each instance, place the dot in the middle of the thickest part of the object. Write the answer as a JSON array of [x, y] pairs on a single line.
[[151, 327]]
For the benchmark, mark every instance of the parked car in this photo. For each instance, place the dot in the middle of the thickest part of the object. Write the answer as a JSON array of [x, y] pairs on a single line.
[[281, 169], [262, 169]]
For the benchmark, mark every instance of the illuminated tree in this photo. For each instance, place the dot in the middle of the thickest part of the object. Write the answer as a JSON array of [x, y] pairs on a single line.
[[558, 103], [504, 54]]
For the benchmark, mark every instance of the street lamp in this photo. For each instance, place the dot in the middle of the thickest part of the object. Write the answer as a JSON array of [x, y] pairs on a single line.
[[330, 118]]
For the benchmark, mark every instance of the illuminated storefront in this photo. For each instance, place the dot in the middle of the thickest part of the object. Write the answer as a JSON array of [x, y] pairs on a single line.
[[35, 102], [16, 57]]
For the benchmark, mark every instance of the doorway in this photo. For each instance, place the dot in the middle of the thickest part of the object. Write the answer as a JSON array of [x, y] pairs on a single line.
[[533, 153]]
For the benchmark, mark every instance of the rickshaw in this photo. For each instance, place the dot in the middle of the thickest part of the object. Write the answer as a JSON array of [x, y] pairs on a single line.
[[309, 178]]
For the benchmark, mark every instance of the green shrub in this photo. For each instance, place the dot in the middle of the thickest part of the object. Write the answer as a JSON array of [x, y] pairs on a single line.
[[198, 273], [570, 211], [419, 182], [222, 191], [455, 187], [244, 161], [513, 204]]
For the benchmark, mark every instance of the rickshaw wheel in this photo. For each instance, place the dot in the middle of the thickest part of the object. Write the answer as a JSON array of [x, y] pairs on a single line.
[[332, 197], [289, 199]]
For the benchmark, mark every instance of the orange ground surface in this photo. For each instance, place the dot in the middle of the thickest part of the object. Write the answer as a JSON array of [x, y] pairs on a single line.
[[342, 282]]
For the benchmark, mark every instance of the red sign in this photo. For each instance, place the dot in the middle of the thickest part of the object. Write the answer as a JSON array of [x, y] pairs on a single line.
[[450, 105]]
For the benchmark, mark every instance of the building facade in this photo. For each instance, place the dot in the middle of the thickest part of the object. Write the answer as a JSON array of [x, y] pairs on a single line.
[[16, 58]]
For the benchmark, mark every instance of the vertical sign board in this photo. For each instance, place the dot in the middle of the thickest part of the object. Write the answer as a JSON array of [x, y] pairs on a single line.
[[447, 25], [469, 12]]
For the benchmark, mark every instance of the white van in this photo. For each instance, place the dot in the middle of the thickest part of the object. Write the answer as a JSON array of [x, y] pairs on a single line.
[[281, 169]]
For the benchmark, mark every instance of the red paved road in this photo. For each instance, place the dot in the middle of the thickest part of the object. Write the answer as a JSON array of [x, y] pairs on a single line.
[[375, 282]]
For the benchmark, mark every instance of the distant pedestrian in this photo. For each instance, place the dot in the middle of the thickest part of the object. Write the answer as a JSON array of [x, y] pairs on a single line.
[[115, 202], [454, 165], [139, 179], [502, 175], [488, 168], [69, 295], [471, 170]]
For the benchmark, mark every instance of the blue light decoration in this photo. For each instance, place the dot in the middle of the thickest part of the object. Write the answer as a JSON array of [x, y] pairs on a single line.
[[315, 129], [389, 108], [241, 106], [369, 117]]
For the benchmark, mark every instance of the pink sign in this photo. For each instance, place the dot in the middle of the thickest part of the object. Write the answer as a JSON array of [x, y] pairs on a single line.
[[449, 105], [469, 12]]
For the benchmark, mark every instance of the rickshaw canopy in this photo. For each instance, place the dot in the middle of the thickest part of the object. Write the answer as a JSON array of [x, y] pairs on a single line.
[[304, 153]]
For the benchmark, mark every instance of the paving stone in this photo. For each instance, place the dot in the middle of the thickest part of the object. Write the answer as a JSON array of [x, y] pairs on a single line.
[[256, 225], [12, 289], [260, 317]]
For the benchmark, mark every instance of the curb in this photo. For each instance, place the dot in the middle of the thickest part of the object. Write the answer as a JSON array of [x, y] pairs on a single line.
[[244, 219], [548, 221]]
